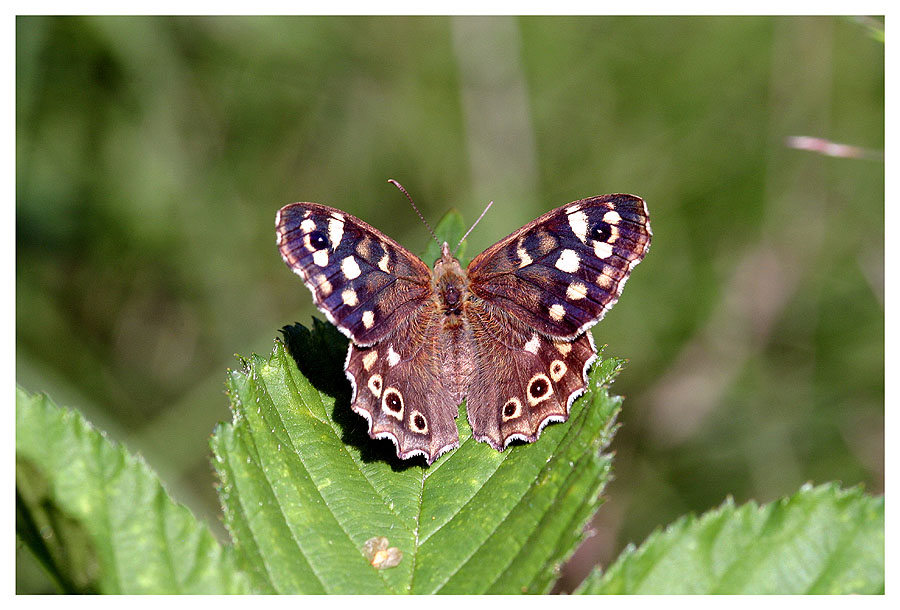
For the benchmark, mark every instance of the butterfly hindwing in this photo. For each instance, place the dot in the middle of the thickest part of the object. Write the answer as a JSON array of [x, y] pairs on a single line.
[[523, 380], [564, 271], [398, 386], [362, 280]]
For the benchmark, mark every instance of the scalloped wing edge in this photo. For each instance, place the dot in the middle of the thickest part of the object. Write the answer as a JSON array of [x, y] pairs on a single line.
[[403, 455], [549, 419]]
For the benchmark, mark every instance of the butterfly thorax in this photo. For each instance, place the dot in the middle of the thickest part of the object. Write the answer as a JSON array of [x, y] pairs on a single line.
[[450, 287], [455, 339]]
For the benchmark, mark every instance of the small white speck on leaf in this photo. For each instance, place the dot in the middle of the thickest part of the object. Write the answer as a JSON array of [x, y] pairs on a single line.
[[380, 555]]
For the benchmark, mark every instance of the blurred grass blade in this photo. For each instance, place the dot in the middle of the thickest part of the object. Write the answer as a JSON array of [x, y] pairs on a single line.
[[99, 520], [305, 490], [821, 540]]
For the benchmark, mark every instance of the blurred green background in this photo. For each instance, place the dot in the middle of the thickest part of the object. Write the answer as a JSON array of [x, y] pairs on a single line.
[[153, 153]]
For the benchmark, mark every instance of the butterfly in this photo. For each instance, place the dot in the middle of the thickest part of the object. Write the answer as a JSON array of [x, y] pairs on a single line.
[[509, 334]]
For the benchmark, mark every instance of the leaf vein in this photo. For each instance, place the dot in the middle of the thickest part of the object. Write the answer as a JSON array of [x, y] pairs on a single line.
[[309, 476]]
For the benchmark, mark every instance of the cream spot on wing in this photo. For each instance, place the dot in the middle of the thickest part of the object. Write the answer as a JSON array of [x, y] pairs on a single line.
[[605, 282], [308, 225], [368, 318], [563, 347], [547, 242], [393, 357], [558, 368], [418, 422], [579, 223], [383, 263], [533, 344], [613, 234], [539, 389], [349, 297], [602, 249], [364, 247], [350, 268], [375, 385], [567, 261], [522, 254], [612, 218], [322, 284], [575, 291], [335, 232], [557, 311], [369, 359], [320, 257], [392, 403], [512, 409]]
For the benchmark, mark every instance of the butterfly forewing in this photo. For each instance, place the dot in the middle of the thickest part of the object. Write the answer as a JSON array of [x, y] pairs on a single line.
[[363, 281], [564, 271]]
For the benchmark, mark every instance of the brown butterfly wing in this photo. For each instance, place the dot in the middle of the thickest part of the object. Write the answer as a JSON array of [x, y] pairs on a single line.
[[364, 282], [381, 296], [399, 386], [523, 380], [535, 294], [561, 273]]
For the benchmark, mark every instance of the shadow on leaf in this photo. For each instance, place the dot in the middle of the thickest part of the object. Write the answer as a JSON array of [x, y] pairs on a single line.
[[320, 354], [60, 541]]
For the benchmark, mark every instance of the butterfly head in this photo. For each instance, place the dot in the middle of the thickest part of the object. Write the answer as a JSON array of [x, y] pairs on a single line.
[[446, 264]]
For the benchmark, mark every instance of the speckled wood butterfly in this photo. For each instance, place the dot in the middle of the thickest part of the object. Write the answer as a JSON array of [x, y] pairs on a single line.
[[509, 333]]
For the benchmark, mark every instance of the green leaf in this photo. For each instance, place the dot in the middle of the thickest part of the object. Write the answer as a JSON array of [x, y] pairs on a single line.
[[98, 518], [304, 487], [820, 540]]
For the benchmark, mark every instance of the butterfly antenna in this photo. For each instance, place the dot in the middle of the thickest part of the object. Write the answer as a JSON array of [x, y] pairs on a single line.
[[472, 227], [413, 204]]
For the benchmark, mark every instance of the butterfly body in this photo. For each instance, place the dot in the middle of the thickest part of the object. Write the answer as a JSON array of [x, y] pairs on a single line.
[[508, 334]]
